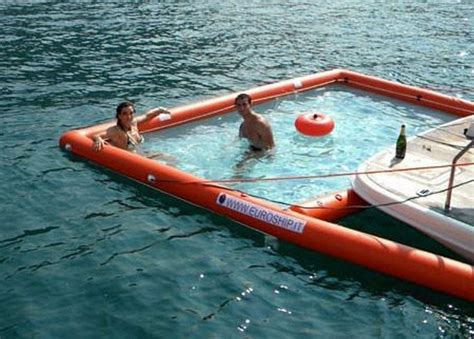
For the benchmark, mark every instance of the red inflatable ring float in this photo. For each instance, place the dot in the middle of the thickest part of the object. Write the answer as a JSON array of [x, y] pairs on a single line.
[[314, 124]]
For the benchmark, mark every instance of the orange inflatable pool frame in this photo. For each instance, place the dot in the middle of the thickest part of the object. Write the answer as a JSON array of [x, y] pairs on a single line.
[[311, 228]]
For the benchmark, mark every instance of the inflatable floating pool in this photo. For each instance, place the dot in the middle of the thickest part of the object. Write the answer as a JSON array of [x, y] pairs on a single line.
[[310, 224]]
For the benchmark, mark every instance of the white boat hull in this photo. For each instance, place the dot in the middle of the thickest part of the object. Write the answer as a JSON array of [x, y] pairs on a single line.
[[411, 196]]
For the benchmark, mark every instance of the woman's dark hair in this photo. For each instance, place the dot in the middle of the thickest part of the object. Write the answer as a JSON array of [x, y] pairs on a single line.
[[121, 106]]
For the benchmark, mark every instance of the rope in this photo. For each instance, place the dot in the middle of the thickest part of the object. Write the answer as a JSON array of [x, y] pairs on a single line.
[[441, 142], [407, 169], [214, 183], [398, 202], [345, 207]]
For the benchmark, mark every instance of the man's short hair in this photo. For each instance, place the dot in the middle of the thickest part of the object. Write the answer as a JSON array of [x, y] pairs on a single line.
[[243, 96]]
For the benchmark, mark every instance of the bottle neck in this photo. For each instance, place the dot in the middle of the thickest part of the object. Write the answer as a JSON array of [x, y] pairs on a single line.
[[402, 130]]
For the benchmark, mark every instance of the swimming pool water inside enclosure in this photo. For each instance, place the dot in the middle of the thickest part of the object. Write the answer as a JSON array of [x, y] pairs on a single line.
[[365, 123]]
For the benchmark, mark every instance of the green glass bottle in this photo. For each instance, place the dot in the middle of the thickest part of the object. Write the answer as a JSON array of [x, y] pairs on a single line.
[[401, 146]]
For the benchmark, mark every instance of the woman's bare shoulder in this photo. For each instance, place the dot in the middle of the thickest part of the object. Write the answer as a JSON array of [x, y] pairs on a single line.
[[113, 130]]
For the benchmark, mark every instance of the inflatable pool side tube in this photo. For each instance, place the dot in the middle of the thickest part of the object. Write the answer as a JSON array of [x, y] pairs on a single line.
[[407, 93]]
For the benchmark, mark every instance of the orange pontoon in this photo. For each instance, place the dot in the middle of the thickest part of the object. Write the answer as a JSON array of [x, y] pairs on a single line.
[[309, 228]]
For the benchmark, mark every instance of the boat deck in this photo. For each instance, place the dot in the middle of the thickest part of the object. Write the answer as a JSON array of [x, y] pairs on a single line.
[[434, 148]]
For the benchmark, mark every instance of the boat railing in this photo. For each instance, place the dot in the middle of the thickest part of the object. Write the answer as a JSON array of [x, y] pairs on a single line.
[[469, 133]]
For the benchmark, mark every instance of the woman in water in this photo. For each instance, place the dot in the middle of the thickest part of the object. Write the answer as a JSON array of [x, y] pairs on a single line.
[[125, 133]]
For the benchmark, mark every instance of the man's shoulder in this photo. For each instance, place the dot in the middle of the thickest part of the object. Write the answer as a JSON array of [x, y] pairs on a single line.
[[262, 119]]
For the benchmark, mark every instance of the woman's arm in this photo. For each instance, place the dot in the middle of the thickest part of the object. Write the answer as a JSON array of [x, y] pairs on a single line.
[[100, 139], [99, 143], [151, 114]]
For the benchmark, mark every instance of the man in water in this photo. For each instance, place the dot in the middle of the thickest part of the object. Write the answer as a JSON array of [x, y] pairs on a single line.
[[125, 133], [255, 128]]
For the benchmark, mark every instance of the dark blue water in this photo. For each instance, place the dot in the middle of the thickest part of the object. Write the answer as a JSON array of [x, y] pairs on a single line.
[[85, 253]]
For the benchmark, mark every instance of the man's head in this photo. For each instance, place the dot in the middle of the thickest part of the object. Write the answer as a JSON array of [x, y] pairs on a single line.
[[243, 103]]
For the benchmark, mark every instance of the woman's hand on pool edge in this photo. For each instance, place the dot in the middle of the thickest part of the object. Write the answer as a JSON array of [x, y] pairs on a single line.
[[157, 111], [98, 144]]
